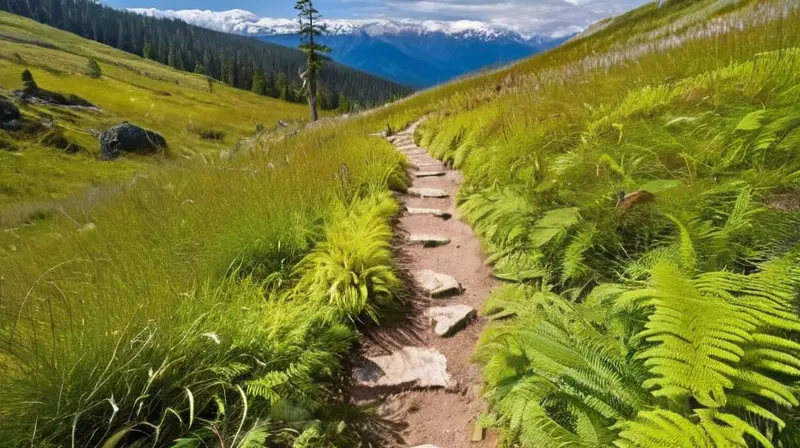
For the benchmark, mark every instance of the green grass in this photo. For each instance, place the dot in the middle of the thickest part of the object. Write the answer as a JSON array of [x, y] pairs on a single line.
[[217, 301], [627, 323], [183, 259], [174, 103]]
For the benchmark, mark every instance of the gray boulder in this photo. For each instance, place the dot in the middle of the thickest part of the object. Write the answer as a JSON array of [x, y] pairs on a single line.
[[8, 111], [129, 138]]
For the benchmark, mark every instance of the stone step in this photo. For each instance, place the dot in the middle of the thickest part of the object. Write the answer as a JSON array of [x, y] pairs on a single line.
[[405, 369], [428, 240], [478, 433], [425, 446], [429, 211], [428, 192], [448, 320], [413, 152], [437, 285], [430, 163], [430, 173]]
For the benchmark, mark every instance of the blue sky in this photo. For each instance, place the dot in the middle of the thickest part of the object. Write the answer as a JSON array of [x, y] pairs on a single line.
[[537, 15]]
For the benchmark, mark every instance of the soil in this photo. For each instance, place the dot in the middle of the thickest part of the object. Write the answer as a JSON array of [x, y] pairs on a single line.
[[439, 417]]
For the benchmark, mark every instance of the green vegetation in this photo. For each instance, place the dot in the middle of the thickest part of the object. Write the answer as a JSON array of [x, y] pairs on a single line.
[[93, 69], [636, 189], [183, 107], [310, 28], [638, 196], [215, 304], [213, 301], [233, 60]]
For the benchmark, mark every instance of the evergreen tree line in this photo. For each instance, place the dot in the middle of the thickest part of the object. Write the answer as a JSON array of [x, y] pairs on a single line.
[[238, 61]]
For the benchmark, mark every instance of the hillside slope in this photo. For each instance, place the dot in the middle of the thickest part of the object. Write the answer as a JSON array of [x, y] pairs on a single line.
[[181, 106], [225, 57], [635, 189]]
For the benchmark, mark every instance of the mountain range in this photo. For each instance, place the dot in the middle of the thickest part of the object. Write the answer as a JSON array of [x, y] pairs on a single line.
[[415, 53]]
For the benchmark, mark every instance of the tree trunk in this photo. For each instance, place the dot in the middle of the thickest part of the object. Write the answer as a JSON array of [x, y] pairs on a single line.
[[312, 103], [312, 95]]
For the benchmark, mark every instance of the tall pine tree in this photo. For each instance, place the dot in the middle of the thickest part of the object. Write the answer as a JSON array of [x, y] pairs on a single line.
[[259, 85], [310, 27]]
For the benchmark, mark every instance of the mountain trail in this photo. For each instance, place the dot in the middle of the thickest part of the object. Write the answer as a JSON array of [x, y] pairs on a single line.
[[418, 372]]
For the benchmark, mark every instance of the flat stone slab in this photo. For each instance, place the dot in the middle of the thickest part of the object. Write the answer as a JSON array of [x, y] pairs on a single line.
[[429, 211], [425, 446], [430, 173], [407, 368], [428, 192], [448, 320], [428, 240], [413, 152], [436, 284]]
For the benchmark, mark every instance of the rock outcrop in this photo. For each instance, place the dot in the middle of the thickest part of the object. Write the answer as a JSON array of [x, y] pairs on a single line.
[[129, 138]]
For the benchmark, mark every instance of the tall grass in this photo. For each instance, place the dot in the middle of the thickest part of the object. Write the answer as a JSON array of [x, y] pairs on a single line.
[[179, 312], [633, 188]]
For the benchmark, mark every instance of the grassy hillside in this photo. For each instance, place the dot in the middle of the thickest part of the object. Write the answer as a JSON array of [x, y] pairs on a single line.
[[637, 191], [179, 105]]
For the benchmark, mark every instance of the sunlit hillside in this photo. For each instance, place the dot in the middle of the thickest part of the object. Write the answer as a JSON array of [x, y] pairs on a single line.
[[636, 191], [183, 107]]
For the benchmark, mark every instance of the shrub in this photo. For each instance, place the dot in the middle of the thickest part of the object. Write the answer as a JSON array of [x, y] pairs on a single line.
[[207, 134], [93, 69]]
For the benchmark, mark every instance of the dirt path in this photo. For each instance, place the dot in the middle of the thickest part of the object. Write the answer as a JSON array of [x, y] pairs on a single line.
[[428, 403]]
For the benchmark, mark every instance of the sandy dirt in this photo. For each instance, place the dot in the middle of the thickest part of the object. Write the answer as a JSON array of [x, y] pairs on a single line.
[[443, 418]]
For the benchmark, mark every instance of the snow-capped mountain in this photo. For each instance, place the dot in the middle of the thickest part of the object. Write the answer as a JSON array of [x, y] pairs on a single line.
[[245, 22], [418, 53]]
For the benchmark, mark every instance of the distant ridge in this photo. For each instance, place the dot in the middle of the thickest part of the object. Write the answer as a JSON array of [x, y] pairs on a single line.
[[418, 53]]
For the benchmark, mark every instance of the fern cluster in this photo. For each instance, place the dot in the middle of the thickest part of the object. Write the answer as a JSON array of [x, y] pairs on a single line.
[[642, 222]]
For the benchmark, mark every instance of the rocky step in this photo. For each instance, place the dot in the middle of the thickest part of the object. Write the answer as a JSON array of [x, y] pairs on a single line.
[[429, 211], [425, 446], [413, 152], [432, 165], [430, 173], [428, 192], [428, 241], [437, 285], [405, 369], [449, 320]]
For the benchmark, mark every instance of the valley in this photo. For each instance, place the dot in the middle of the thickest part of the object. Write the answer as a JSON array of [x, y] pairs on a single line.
[[595, 246]]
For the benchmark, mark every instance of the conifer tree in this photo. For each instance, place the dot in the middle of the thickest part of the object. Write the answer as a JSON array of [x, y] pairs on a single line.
[[259, 84], [28, 83], [93, 69], [310, 27], [344, 103]]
